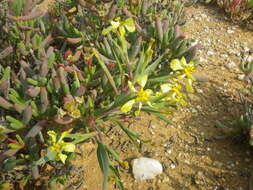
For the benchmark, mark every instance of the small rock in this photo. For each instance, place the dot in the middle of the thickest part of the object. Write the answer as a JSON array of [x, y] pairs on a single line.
[[246, 49], [172, 166], [224, 55], [230, 31], [193, 110], [230, 65], [200, 91], [146, 168], [241, 76], [210, 52]]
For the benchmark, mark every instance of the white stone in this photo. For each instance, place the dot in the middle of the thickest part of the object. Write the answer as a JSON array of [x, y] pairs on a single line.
[[230, 31], [146, 168], [230, 65], [210, 52], [241, 76]]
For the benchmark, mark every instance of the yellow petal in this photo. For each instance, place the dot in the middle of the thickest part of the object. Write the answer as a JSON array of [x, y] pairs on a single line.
[[149, 92], [189, 87], [63, 135], [63, 157], [142, 80], [131, 87], [122, 31], [69, 147], [75, 114], [53, 136], [137, 112], [175, 65], [69, 106], [183, 62], [129, 24], [128, 106], [115, 24]]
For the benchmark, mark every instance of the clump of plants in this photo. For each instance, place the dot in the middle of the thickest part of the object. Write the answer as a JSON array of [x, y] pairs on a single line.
[[67, 72], [239, 10]]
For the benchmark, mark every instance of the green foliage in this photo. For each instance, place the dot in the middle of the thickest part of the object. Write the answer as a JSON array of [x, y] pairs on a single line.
[[79, 66]]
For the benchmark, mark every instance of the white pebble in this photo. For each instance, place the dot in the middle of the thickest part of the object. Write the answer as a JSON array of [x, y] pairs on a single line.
[[146, 168]]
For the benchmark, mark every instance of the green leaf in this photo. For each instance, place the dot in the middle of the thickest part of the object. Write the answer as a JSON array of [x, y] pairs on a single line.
[[132, 135], [80, 137], [113, 153], [107, 72], [103, 163], [17, 6]]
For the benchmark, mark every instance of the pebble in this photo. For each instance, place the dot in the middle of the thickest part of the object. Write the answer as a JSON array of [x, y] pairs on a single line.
[[146, 168], [224, 55], [241, 77], [230, 65], [230, 31], [172, 166], [210, 52], [200, 91]]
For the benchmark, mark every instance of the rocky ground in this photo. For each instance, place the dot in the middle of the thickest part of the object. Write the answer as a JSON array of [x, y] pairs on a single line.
[[195, 154]]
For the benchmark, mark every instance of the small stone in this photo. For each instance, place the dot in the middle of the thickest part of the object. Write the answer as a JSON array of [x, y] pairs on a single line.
[[230, 31], [241, 77], [172, 166], [200, 91], [224, 55], [146, 168], [193, 110], [169, 151], [230, 65], [246, 49], [210, 52]]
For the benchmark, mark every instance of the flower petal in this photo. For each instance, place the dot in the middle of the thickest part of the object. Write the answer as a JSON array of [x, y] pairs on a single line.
[[149, 92], [131, 87], [137, 112], [69, 147], [53, 136], [142, 80], [63, 135], [128, 106], [115, 24], [183, 62], [189, 87], [129, 24], [62, 157], [175, 65]]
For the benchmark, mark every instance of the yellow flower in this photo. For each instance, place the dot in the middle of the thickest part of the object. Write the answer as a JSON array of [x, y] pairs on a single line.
[[75, 114], [173, 93], [121, 26], [59, 146], [142, 96], [72, 107], [186, 70]]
